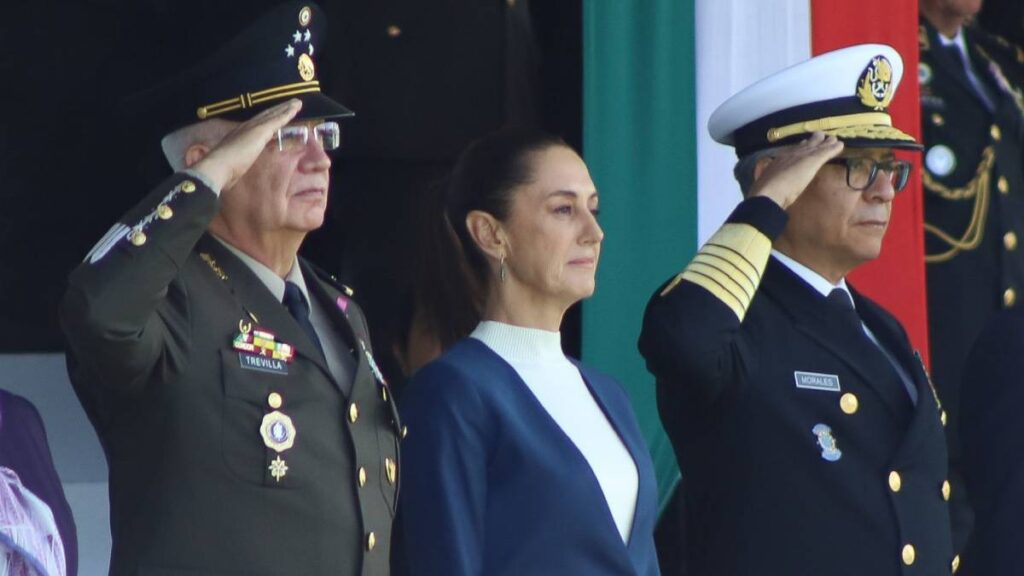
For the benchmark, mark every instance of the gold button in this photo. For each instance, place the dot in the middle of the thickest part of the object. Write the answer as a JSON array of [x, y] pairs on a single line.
[[188, 186], [1003, 185], [895, 481], [909, 554], [137, 237], [1009, 297], [997, 134], [945, 490], [362, 476], [405, 431], [1010, 241], [274, 400], [353, 412], [394, 31], [938, 120], [849, 403], [164, 212], [955, 564], [371, 541], [391, 469], [942, 418]]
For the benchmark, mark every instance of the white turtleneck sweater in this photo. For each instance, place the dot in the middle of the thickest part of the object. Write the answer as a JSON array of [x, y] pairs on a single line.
[[536, 355]]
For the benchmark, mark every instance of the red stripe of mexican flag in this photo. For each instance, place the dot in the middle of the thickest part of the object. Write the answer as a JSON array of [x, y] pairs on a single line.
[[896, 279]]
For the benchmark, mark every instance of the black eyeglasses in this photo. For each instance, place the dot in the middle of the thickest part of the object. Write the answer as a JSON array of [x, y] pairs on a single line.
[[861, 172]]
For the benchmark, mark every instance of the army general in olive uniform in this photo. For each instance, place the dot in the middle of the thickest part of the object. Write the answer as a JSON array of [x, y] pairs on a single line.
[[232, 385], [972, 107], [804, 424]]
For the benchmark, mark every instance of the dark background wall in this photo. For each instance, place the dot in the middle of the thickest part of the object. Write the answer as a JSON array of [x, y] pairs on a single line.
[[77, 150], [424, 76]]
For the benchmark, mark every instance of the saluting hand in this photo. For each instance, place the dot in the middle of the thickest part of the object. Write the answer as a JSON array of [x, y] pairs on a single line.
[[230, 159], [787, 174]]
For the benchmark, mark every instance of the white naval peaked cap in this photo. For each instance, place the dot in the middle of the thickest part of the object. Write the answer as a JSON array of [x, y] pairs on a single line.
[[845, 92]]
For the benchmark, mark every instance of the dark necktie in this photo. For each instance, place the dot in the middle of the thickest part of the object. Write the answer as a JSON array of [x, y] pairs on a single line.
[[842, 300], [983, 92], [297, 306]]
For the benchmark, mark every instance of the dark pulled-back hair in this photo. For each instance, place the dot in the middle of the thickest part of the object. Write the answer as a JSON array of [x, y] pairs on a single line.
[[483, 179], [453, 274]]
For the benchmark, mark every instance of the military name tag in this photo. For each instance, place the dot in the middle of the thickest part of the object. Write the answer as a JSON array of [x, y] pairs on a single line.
[[262, 363], [815, 381]]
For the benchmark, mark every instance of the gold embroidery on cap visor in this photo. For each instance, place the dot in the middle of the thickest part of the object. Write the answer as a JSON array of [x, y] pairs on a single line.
[[250, 99], [868, 125]]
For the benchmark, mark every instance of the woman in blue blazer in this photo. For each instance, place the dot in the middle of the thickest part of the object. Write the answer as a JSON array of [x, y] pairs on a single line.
[[519, 460]]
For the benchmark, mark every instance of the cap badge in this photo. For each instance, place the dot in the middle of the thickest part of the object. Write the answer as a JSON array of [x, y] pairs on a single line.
[[875, 87], [306, 69]]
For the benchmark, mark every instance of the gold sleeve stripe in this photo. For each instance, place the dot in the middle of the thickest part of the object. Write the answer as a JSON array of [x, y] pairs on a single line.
[[738, 272], [729, 266], [731, 281], [737, 258], [716, 289]]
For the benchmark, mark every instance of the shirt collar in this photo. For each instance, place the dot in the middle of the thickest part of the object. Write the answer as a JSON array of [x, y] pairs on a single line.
[[817, 281], [270, 279], [957, 40]]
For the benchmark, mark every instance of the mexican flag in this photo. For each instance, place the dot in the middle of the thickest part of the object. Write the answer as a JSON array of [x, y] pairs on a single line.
[[654, 71]]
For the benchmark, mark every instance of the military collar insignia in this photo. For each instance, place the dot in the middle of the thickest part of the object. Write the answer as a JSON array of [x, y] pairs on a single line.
[[212, 263], [874, 87], [373, 364]]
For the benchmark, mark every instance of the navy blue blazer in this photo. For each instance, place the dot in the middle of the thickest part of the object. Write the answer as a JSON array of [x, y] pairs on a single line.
[[492, 485]]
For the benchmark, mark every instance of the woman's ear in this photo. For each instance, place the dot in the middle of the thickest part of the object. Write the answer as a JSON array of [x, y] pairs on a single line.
[[488, 234], [195, 153]]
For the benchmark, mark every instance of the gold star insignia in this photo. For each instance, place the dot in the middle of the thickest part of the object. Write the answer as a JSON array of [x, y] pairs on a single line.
[[278, 469]]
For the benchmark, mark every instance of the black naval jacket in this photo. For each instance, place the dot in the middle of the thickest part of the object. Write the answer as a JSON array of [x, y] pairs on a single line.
[[151, 317], [759, 384], [993, 441], [973, 201]]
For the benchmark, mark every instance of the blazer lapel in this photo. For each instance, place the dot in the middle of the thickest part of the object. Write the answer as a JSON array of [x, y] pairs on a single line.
[[602, 389], [813, 315], [256, 298]]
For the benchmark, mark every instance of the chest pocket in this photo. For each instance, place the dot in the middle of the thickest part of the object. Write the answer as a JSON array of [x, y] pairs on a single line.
[[250, 395]]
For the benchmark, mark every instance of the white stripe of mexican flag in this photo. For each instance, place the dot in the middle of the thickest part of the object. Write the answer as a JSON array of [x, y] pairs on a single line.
[[737, 43]]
